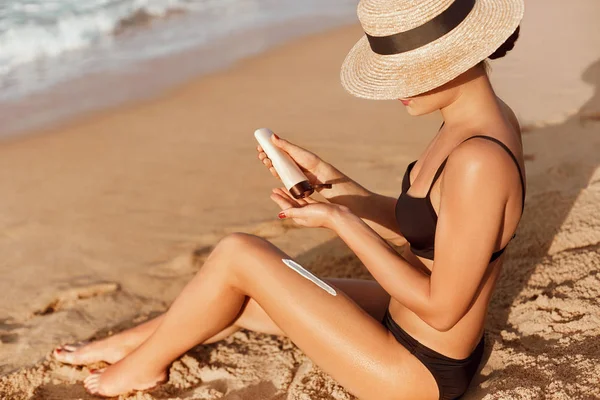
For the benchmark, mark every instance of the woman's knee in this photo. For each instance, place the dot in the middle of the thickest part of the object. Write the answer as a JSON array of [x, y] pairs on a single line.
[[237, 251], [229, 248], [236, 243]]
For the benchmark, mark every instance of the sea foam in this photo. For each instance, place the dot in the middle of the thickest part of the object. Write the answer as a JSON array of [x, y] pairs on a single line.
[[31, 30]]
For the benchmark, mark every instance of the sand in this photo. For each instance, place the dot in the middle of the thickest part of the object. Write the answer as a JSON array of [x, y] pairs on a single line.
[[107, 216]]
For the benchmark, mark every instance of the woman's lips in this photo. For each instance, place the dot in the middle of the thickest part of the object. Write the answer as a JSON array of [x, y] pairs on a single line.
[[405, 102]]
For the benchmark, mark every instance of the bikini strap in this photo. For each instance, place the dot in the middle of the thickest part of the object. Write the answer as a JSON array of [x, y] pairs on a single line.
[[406, 177], [440, 168], [437, 175]]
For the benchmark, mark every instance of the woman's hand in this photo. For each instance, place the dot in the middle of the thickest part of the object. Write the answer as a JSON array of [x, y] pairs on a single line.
[[306, 212], [311, 164]]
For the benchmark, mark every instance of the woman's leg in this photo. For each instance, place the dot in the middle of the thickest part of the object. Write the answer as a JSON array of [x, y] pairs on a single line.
[[341, 337], [118, 346], [110, 349], [367, 294]]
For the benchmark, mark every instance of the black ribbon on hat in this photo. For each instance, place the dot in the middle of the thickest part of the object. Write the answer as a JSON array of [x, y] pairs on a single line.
[[432, 30]]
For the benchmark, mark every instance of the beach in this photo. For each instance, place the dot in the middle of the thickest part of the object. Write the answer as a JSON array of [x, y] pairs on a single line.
[[107, 215]]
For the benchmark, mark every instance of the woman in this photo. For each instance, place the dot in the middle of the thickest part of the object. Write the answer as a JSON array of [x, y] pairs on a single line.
[[417, 331]]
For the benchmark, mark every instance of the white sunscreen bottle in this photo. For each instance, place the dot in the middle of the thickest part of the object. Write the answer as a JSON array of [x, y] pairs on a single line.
[[292, 177]]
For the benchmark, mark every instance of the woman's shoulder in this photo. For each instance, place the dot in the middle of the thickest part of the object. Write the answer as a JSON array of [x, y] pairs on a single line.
[[484, 164], [478, 152], [476, 171]]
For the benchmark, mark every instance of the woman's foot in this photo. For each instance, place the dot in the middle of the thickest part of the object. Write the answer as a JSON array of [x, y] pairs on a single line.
[[121, 378], [110, 350]]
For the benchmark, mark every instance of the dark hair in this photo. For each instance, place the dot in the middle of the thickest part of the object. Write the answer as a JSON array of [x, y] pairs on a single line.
[[506, 46], [502, 50]]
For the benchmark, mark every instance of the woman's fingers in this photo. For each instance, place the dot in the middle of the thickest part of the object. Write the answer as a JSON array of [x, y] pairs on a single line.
[[286, 196], [283, 202], [310, 200], [282, 192], [303, 201], [265, 160], [262, 156]]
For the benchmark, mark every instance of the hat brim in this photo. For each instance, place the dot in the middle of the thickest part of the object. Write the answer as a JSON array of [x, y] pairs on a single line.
[[369, 75]]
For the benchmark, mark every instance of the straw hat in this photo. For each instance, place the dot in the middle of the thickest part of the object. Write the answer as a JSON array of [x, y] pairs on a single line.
[[412, 46]]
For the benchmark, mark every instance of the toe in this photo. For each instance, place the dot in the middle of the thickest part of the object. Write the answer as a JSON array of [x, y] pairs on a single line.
[[56, 353], [90, 379], [92, 390], [94, 377], [91, 387], [62, 355], [97, 371]]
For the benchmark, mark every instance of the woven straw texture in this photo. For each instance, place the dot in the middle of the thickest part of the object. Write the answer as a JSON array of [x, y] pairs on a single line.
[[370, 75]]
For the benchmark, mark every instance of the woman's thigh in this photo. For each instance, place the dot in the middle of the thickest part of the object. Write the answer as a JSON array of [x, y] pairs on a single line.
[[367, 294], [341, 337]]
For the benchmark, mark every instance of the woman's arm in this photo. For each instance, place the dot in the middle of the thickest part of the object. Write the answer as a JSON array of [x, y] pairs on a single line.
[[473, 199], [376, 210]]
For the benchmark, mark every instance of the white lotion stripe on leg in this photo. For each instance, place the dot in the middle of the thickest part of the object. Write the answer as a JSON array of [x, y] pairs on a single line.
[[308, 275]]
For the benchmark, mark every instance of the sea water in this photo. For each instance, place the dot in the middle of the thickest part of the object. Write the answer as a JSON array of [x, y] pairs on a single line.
[[48, 43]]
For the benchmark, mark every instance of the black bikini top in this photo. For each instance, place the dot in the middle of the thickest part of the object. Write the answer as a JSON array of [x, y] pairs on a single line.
[[416, 216]]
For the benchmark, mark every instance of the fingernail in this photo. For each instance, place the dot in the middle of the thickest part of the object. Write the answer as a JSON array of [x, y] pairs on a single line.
[[93, 371], [281, 215], [58, 350], [276, 137]]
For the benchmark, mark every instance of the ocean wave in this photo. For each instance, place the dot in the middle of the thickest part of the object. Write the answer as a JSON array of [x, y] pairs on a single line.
[[142, 18], [32, 30], [44, 43]]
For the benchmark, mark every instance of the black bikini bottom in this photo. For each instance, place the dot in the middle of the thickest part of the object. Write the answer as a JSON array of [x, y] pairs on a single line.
[[452, 376]]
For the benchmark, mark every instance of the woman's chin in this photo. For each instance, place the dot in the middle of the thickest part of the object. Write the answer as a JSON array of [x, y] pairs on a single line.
[[416, 111], [412, 111]]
